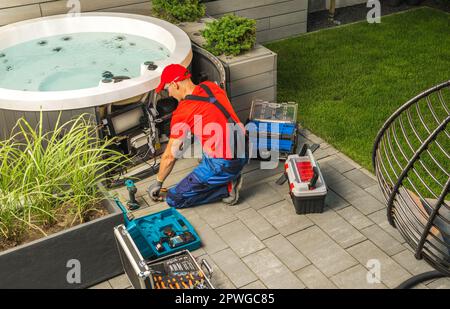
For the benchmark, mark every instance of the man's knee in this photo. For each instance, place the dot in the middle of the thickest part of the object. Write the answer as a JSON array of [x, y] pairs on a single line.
[[174, 199]]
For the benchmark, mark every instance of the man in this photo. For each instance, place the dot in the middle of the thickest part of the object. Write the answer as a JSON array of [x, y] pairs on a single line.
[[206, 112]]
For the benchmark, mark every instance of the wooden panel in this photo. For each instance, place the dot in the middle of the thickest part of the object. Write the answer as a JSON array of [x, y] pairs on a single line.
[[140, 8], [12, 3], [288, 19], [244, 102], [252, 67], [225, 6], [253, 83], [59, 7], [274, 9], [19, 13], [316, 5], [281, 32]]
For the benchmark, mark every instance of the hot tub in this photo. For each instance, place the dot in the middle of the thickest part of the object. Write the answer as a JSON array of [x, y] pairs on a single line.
[[71, 65]]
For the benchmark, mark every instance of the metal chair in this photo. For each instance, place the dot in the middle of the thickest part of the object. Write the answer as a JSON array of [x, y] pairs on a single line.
[[411, 158]]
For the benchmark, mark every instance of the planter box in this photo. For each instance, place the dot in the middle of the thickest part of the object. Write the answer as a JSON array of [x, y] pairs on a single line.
[[44, 263], [275, 19], [252, 75]]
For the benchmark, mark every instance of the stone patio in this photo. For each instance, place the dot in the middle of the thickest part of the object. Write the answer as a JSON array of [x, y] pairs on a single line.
[[263, 243]]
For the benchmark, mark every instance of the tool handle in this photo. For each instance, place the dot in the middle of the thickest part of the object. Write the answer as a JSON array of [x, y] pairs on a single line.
[[313, 181], [128, 217], [208, 267]]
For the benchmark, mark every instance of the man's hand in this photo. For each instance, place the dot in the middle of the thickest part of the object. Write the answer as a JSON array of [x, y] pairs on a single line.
[[154, 190]]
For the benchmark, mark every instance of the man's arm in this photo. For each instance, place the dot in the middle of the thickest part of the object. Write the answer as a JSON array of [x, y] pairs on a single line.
[[168, 158]]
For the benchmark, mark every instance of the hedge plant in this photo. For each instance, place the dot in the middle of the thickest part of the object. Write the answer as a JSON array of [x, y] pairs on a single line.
[[230, 35], [176, 11]]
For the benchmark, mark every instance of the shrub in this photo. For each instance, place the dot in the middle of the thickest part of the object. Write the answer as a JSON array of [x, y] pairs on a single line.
[[178, 10], [230, 35], [49, 177]]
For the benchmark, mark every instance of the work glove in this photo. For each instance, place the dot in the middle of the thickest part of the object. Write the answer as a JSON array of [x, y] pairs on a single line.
[[154, 190]]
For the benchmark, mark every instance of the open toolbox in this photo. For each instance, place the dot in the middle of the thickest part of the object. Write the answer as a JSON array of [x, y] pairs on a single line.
[[307, 187], [179, 270], [273, 127], [160, 234]]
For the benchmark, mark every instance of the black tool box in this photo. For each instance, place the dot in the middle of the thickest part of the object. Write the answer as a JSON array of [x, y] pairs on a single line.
[[179, 270]]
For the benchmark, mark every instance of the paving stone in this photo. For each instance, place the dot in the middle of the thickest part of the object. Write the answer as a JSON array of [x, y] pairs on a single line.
[[391, 273], [383, 240], [334, 201], [322, 251], [337, 228], [216, 214], [120, 282], [348, 190], [261, 174], [442, 283], [330, 175], [198, 252], [233, 267], [355, 217], [359, 178], [309, 135], [314, 278], [270, 270], [375, 191], [410, 263], [211, 241], [380, 218], [257, 285], [240, 238], [340, 164], [283, 217], [342, 156], [260, 196], [367, 204], [286, 252], [102, 286], [355, 278], [324, 152], [257, 224], [219, 280]]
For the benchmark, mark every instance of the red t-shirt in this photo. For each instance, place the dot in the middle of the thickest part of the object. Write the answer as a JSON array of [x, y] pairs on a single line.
[[205, 121]]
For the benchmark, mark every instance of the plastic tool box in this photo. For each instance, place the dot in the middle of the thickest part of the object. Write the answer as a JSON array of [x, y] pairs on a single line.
[[273, 127], [178, 270], [307, 187], [162, 233]]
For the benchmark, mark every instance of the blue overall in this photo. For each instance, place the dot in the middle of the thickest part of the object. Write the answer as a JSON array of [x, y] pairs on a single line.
[[208, 182]]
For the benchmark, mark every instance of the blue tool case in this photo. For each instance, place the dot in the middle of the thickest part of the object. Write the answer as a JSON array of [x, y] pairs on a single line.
[[273, 127], [162, 233], [272, 135]]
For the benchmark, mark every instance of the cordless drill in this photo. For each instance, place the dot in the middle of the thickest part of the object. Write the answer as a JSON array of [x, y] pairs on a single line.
[[132, 203]]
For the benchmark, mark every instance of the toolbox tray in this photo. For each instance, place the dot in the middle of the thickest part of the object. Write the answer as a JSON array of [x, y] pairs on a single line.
[[305, 200], [147, 231], [150, 274]]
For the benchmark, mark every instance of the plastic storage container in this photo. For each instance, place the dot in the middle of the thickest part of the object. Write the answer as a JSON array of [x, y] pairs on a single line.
[[149, 233], [307, 187], [178, 270], [274, 112], [273, 127]]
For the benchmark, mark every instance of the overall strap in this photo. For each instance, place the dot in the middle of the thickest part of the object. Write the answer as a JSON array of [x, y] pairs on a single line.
[[211, 99]]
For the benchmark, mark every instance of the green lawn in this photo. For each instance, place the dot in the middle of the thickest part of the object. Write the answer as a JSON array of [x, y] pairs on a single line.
[[348, 80]]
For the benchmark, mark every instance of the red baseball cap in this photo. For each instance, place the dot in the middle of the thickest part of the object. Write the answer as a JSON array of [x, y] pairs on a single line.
[[172, 73]]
